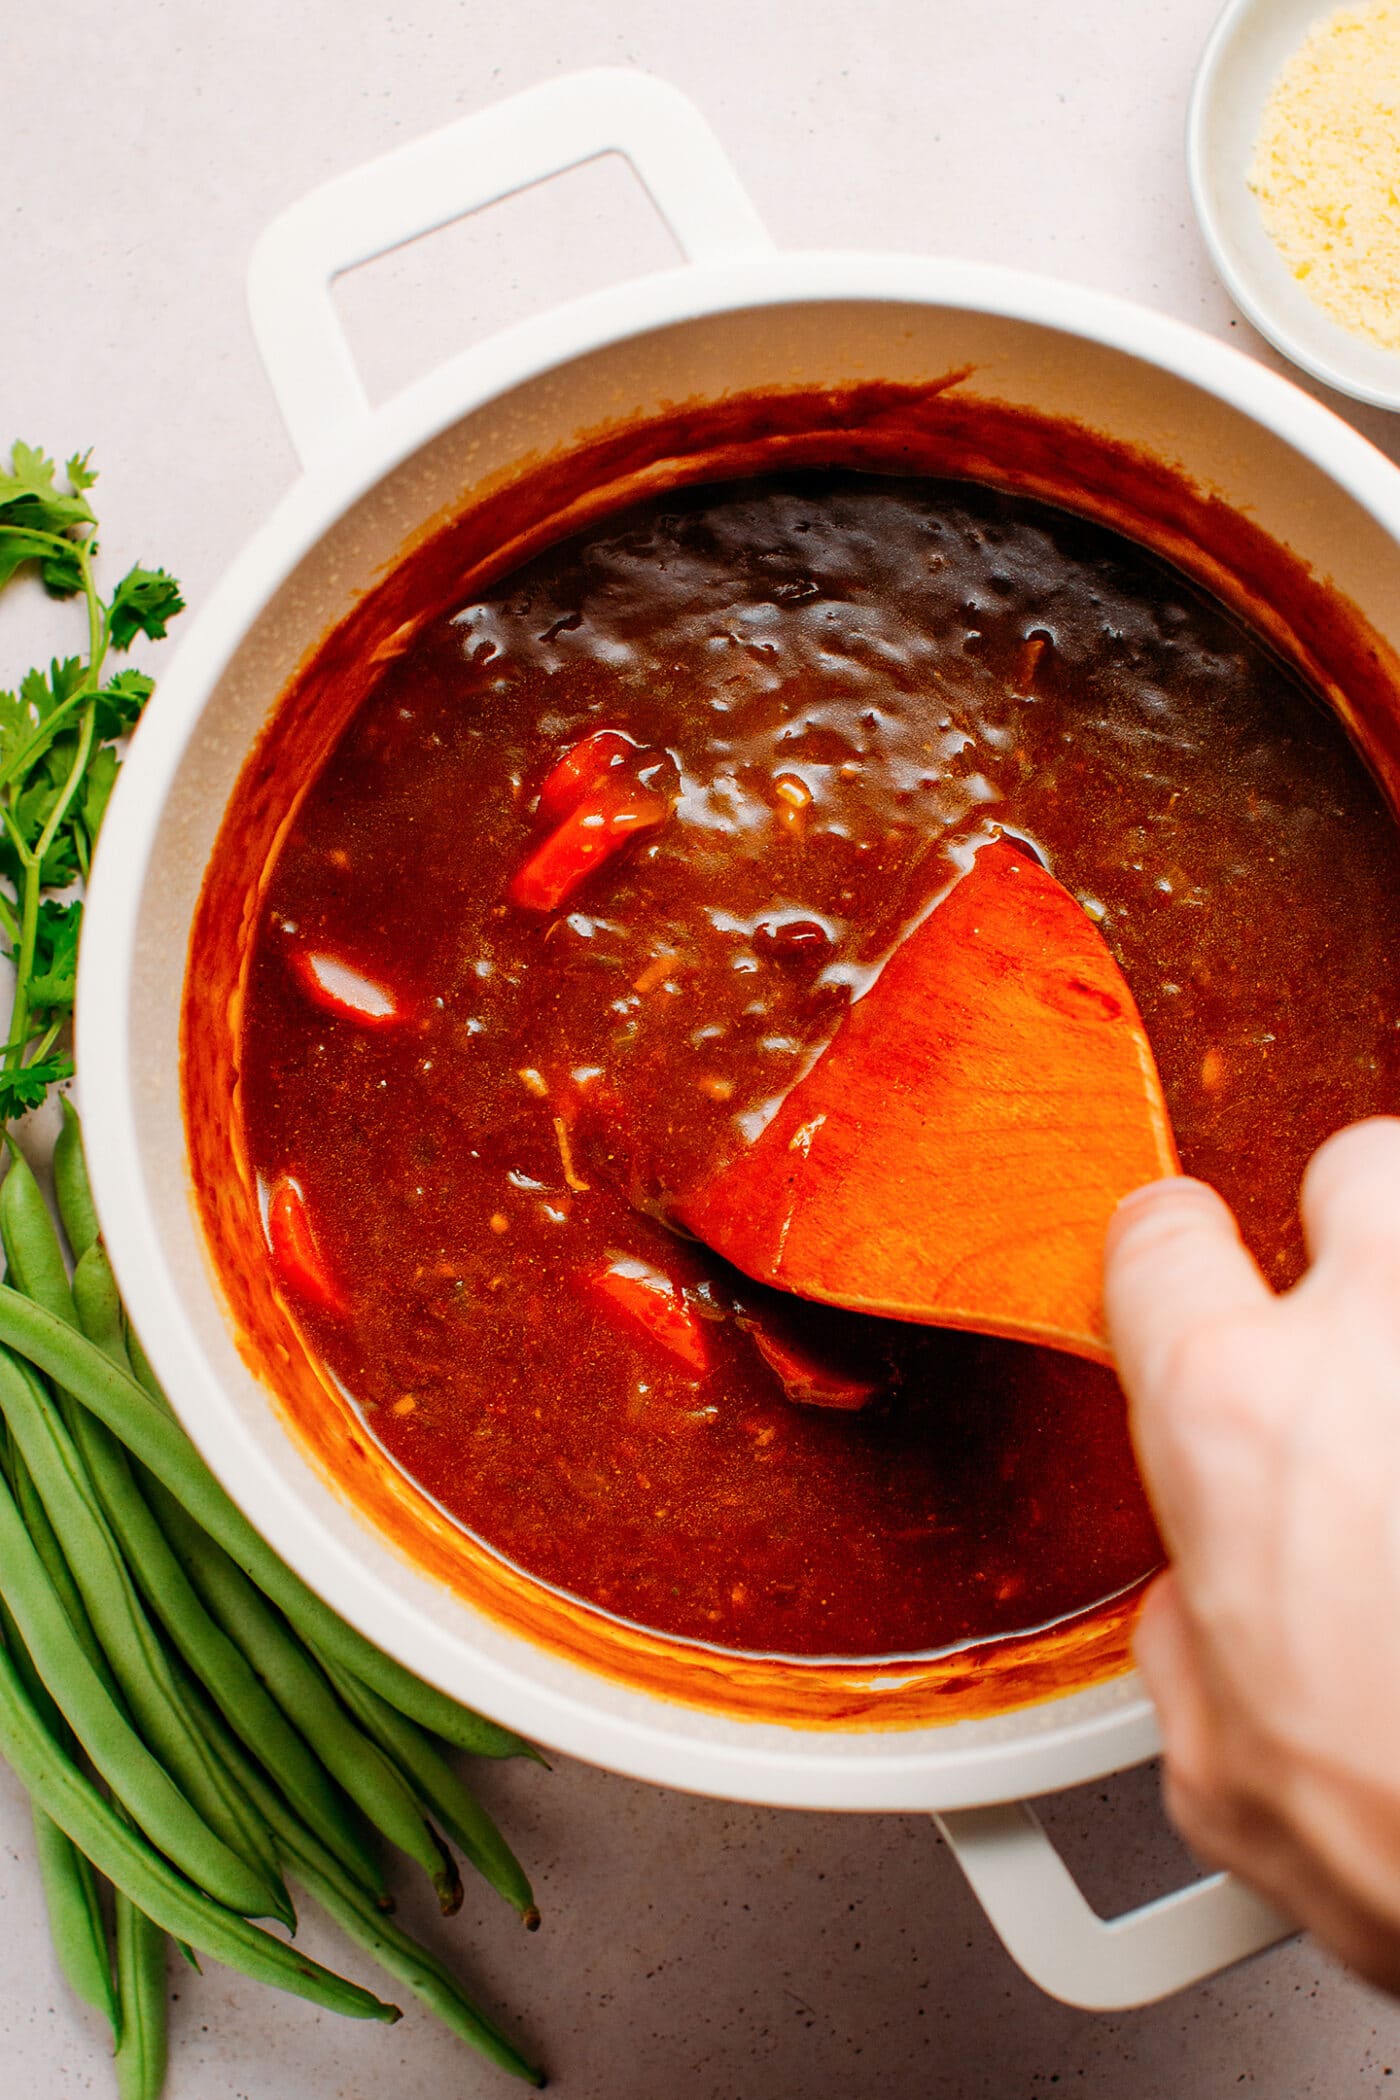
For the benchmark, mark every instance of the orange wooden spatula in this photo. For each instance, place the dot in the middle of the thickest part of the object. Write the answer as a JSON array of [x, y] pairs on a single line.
[[954, 1155]]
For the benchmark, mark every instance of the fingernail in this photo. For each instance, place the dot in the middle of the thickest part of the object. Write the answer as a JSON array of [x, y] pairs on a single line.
[[1170, 1189]]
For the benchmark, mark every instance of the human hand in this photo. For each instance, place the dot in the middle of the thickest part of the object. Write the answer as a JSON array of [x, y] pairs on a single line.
[[1268, 1432]]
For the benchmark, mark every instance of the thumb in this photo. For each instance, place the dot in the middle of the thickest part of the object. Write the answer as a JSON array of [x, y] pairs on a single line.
[[1173, 1262]]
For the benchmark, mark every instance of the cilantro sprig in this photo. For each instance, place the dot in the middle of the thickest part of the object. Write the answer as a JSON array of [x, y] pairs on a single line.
[[58, 754]]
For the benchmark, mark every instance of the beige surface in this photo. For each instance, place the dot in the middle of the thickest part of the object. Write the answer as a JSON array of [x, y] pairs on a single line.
[[690, 1949]]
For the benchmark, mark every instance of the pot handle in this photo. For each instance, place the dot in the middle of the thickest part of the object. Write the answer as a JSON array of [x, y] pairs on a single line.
[[1101, 1964], [476, 161]]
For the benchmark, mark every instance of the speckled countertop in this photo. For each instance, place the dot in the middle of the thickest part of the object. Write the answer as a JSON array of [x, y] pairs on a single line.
[[692, 1950]]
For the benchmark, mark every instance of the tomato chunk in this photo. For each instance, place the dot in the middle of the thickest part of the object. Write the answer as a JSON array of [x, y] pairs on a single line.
[[299, 1261], [611, 817], [576, 772], [644, 1301], [342, 990]]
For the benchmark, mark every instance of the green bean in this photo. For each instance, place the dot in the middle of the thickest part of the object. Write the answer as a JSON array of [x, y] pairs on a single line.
[[35, 1689], [32, 1251], [396, 1950], [36, 1522], [133, 1415], [141, 1368], [299, 1686], [75, 1919], [167, 1899], [98, 1304], [440, 1790], [109, 1740], [411, 1963], [70, 1182], [76, 1924], [131, 1646], [105, 1322], [142, 2050]]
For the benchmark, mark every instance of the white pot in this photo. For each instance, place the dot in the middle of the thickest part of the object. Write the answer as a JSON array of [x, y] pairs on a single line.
[[737, 316]]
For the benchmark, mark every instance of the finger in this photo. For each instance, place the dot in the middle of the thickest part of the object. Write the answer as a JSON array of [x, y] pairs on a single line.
[[1350, 1198], [1174, 1264]]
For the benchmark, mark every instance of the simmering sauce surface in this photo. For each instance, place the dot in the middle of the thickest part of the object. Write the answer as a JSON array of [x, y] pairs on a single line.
[[471, 1103]]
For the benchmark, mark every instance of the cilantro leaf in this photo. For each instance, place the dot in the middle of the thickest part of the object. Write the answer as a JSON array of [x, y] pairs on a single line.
[[61, 574], [32, 504], [30, 495], [14, 725], [18, 546], [144, 602], [23, 1087], [36, 704], [120, 702], [54, 977], [43, 696]]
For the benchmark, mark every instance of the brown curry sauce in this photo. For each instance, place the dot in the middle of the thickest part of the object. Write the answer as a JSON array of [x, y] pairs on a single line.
[[851, 677]]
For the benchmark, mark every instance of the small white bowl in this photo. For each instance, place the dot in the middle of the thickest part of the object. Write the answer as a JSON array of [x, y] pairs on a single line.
[[1247, 50]]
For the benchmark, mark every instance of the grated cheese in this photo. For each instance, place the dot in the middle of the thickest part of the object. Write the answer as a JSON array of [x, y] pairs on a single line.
[[1326, 168]]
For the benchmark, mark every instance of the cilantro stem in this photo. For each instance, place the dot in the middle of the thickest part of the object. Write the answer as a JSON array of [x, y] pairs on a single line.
[[32, 860], [16, 835], [57, 540], [70, 786], [99, 624], [24, 960]]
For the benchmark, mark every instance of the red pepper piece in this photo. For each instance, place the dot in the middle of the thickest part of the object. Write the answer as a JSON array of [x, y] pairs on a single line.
[[343, 990], [612, 816], [646, 1301], [823, 1356], [579, 768], [299, 1261], [810, 1381]]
